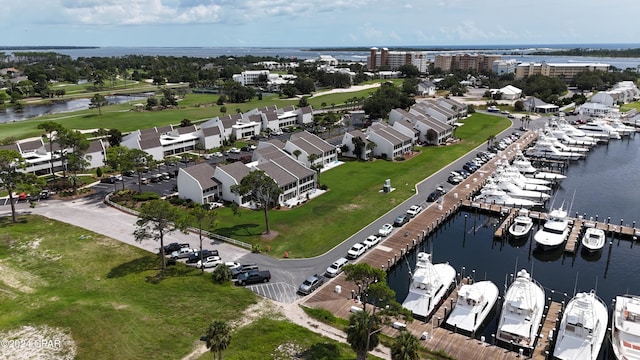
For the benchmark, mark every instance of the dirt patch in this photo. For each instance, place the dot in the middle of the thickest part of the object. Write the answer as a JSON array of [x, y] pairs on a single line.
[[37, 342], [350, 207], [19, 280], [270, 236]]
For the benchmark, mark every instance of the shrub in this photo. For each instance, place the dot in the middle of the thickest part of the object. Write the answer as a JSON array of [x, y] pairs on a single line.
[[146, 196], [176, 201]]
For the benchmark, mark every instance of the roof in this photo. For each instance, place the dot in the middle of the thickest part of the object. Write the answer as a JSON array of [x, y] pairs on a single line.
[[95, 146], [310, 143], [187, 129], [236, 170], [30, 145], [203, 173], [388, 133], [277, 173], [510, 90], [150, 143], [210, 131]]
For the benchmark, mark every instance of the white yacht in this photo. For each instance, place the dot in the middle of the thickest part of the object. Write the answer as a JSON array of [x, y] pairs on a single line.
[[593, 239], [555, 230], [582, 329], [524, 167], [429, 284], [491, 194], [577, 133], [566, 139], [474, 303], [522, 224], [626, 328], [515, 191], [521, 312], [545, 149], [561, 146], [620, 127], [526, 183], [599, 130]]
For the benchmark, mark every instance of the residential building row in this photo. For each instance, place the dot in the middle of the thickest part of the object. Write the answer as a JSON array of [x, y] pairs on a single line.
[[563, 71], [466, 62], [605, 103]]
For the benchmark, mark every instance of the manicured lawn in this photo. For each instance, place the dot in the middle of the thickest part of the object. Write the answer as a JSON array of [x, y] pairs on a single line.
[[633, 105], [94, 288], [354, 199]]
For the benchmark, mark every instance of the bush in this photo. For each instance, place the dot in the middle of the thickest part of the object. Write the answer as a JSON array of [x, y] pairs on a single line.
[[399, 158], [176, 201], [146, 196]]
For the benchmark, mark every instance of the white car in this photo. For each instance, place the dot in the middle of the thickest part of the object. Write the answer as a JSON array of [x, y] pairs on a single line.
[[183, 253], [234, 150], [371, 241], [356, 251], [385, 230], [233, 265], [217, 154], [211, 261], [414, 210]]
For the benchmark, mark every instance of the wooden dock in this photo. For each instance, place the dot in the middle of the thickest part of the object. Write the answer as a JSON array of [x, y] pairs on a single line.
[[571, 246], [551, 321], [503, 229]]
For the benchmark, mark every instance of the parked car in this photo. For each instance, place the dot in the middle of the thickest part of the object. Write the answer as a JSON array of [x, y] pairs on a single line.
[[183, 253], [253, 277], [129, 173], [209, 262], [310, 284], [356, 251], [401, 220], [243, 269], [44, 194], [385, 230], [234, 150], [232, 265], [217, 154], [414, 210], [371, 241], [336, 267], [436, 194], [455, 179], [168, 249], [195, 257]]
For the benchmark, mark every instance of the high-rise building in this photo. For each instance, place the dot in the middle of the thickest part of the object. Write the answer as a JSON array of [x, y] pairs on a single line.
[[395, 59], [467, 62], [564, 71]]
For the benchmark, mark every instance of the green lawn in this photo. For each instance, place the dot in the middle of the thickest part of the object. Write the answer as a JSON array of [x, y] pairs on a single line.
[[354, 199], [95, 288]]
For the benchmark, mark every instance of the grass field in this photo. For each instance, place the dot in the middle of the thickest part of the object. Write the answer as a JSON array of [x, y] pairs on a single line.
[[93, 289], [354, 199]]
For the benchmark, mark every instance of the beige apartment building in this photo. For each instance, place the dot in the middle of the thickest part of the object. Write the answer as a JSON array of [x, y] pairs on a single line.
[[467, 62], [395, 59], [564, 71]]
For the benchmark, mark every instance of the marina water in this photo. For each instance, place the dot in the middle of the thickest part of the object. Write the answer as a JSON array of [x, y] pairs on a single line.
[[604, 184]]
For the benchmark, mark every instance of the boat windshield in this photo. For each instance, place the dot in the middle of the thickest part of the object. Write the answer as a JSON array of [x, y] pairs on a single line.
[[554, 231]]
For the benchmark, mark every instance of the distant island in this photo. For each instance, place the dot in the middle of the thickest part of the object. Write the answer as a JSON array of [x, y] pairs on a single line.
[[623, 53], [3, 48]]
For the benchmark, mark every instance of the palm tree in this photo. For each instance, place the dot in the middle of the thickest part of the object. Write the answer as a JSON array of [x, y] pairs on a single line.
[[405, 347], [203, 218], [362, 333], [296, 153], [218, 337], [370, 146]]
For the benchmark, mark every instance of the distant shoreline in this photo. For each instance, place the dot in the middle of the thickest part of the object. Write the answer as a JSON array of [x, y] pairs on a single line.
[[46, 47]]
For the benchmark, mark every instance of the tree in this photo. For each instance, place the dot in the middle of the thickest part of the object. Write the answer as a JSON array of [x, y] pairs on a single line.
[[296, 153], [203, 219], [218, 337], [313, 165], [156, 219], [370, 147], [139, 161], [362, 333], [261, 189], [221, 274], [117, 158], [98, 101], [114, 136], [358, 147], [11, 179], [52, 127], [405, 347], [363, 276], [77, 146]]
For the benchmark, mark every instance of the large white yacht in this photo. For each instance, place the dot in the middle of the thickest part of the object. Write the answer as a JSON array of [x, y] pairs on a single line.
[[515, 191], [544, 149], [521, 312], [626, 327], [429, 284], [566, 139], [582, 329], [474, 303], [555, 230], [599, 129], [491, 194], [524, 166], [526, 183], [561, 146], [620, 127]]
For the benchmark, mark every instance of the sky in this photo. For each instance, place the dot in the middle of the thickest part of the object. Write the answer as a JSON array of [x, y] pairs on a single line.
[[315, 23]]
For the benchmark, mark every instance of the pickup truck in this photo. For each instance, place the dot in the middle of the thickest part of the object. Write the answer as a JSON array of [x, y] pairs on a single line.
[[310, 284], [253, 277]]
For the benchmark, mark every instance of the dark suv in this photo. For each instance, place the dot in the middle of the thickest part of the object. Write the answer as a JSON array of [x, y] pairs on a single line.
[[195, 257], [401, 220], [243, 269]]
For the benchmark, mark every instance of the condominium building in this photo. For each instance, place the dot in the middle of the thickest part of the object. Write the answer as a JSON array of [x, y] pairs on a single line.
[[564, 71], [502, 67], [395, 59], [467, 62]]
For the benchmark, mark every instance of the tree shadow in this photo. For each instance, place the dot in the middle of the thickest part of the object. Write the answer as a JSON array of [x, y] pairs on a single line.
[[320, 351], [153, 262], [239, 230]]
